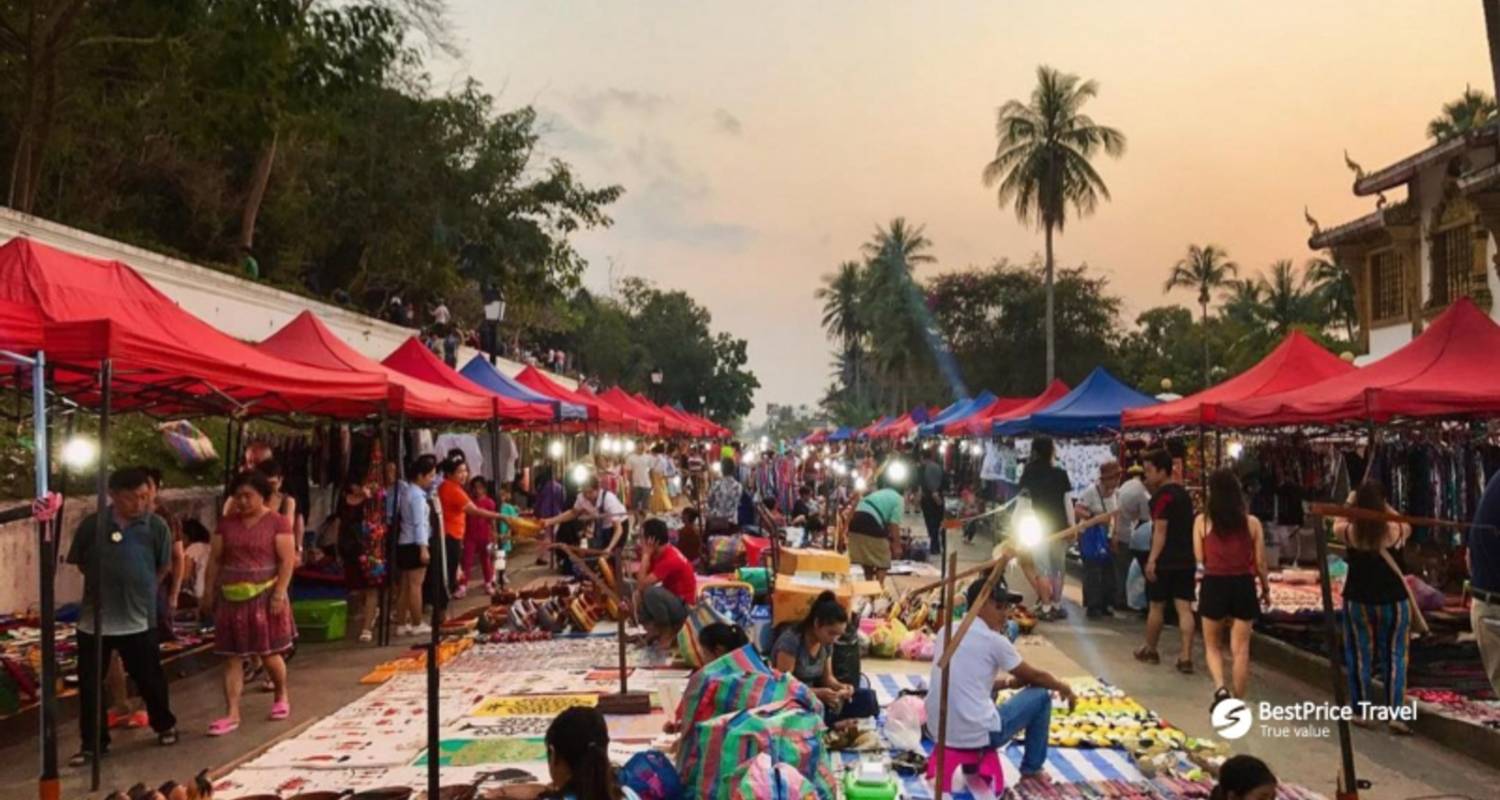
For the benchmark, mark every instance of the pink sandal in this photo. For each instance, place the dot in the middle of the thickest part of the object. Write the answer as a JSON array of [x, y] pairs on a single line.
[[222, 727], [281, 709]]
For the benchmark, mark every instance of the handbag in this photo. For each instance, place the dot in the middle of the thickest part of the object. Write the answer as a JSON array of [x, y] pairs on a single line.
[[1093, 545]]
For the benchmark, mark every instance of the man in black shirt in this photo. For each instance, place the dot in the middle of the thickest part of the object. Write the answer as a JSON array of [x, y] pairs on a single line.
[[1171, 568]]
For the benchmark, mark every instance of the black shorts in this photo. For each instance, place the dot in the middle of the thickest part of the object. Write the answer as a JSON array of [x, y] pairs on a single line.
[[408, 557], [865, 523], [1228, 596], [1172, 584]]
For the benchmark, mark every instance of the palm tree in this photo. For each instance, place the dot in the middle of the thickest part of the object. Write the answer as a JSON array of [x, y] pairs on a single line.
[[1288, 301], [894, 306], [1333, 287], [1471, 110], [1206, 269], [843, 318], [1041, 165]]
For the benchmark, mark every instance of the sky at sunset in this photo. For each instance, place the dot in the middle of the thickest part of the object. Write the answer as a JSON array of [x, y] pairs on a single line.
[[761, 143]]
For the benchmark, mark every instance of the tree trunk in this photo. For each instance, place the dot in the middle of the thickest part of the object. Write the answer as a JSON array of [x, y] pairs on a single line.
[[1051, 325], [1492, 32], [257, 192], [1204, 306]]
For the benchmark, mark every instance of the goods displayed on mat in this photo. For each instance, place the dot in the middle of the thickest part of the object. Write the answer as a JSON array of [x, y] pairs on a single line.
[[1105, 716], [1458, 706]]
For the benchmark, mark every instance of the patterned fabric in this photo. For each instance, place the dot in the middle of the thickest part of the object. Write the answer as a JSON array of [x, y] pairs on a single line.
[[724, 553], [250, 627], [738, 680], [734, 601], [701, 616], [766, 779], [652, 776], [724, 499], [1375, 646]]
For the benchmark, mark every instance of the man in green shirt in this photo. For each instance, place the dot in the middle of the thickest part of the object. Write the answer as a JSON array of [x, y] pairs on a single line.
[[136, 556], [875, 531]]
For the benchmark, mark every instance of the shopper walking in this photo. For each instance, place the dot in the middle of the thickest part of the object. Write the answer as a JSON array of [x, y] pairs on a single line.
[[136, 557], [250, 566], [1229, 543], [1377, 609], [1170, 567], [1096, 546], [930, 485], [1132, 531], [1484, 579], [479, 538], [360, 534], [1047, 486], [413, 543], [551, 499]]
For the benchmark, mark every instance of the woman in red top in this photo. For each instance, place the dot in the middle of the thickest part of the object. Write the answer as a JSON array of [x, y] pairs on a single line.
[[457, 508], [665, 586], [1229, 544]]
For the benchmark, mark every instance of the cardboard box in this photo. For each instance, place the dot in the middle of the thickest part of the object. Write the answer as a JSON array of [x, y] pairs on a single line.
[[792, 599], [794, 560]]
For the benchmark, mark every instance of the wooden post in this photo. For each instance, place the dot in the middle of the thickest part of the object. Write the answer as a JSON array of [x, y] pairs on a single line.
[[942, 735], [1348, 788]]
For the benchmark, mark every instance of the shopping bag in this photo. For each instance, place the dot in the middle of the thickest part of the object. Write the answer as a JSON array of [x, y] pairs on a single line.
[[737, 681], [1135, 587], [723, 553], [732, 599], [701, 616], [789, 731], [1093, 545], [766, 779]]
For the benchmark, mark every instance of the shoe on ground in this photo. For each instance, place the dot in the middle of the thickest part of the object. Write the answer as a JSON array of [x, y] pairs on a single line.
[[461, 592], [403, 630], [83, 758], [167, 738], [365, 637], [421, 630], [1220, 695], [1399, 728]]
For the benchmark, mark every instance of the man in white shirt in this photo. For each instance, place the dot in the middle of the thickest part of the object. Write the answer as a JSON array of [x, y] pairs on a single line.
[[440, 314], [600, 507], [640, 464], [974, 721], [1134, 502], [1099, 563]]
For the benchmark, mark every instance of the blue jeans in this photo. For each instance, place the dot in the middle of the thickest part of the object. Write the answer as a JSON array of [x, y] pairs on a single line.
[[1030, 710]]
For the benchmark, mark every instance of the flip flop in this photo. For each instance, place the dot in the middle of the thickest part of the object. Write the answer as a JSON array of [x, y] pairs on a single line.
[[223, 726], [281, 709]]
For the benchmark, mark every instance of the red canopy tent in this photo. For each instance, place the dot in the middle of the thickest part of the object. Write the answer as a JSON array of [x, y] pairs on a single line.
[[1448, 371], [1297, 362], [415, 360], [628, 403], [896, 429], [600, 412], [978, 423], [635, 423], [686, 423], [84, 310], [984, 424], [306, 340]]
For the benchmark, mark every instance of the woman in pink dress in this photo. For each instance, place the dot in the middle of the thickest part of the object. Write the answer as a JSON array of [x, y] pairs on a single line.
[[250, 565]]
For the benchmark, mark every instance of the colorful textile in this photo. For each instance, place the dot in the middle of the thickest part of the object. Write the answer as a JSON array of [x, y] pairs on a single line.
[[766, 779], [701, 616], [652, 776], [733, 600], [738, 680], [790, 731], [724, 553]]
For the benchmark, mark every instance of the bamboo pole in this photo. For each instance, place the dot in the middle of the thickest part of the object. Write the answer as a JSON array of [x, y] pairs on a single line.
[[942, 736]]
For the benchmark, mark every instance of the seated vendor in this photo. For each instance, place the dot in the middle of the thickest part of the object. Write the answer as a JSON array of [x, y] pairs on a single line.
[[805, 512], [690, 535], [577, 762], [665, 586], [974, 721], [805, 650]]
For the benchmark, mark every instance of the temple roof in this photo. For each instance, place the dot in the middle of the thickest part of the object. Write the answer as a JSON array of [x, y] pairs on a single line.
[[1402, 213], [1404, 170], [1480, 180]]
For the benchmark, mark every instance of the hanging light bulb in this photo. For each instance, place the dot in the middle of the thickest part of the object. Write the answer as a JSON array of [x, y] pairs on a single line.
[[1235, 449], [79, 453], [715, 468], [897, 472], [860, 484], [555, 449], [579, 474], [630, 445], [749, 457], [1029, 531]]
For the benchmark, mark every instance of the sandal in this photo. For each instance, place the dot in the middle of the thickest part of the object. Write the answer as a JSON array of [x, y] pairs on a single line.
[[223, 726], [281, 709], [1220, 695], [1147, 655], [1185, 666], [167, 738]]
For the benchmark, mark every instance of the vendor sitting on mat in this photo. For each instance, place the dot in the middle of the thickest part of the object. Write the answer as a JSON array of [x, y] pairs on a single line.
[[665, 586], [974, 721], [805, 650]]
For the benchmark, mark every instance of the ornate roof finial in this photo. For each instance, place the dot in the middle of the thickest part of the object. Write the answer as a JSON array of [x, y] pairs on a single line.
[[1380, 200], [1359, 172], [1307, 215]]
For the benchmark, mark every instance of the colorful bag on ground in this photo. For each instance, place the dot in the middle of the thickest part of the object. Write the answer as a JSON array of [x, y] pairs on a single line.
[[723, 554], [732, 599], [735, 681], [766, 779], [886, 639], [1093, 545], [702, 616], [790, 732], [652, 776]]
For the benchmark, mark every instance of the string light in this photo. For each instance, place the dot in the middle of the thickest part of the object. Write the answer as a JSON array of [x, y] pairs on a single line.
[[897, 472], [555, 449], [1029, 531], [1235, 448], [79, 453], [859, 483]]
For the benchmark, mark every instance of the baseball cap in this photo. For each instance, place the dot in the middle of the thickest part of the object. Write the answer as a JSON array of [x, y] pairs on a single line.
[[999, 590]]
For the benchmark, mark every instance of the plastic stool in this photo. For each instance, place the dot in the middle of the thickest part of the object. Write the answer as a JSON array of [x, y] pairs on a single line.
[[985, 761]]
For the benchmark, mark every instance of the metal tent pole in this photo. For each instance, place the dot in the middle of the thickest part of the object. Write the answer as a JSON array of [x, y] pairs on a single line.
[[48, 787], [383, 601], [440, 596], [1348, 788], [101, 520]]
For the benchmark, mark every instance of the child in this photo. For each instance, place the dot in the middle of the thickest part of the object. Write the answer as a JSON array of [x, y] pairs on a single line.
[[479, 537], [1245, 778], [196, 554], [690, 536], [507, 510]]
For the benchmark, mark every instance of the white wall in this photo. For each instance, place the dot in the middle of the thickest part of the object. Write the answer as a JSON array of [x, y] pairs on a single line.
[[239, 307], [1384, 341]]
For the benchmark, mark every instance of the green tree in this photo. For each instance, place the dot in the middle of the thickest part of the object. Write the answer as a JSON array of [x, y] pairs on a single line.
[[1333, 290], [1042, 165], [893, 311], [843, 319], [1469, 111], [1206, 269], [1288, 300]]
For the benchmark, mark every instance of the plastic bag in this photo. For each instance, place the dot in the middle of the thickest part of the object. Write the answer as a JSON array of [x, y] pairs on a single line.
[[187, 442], [917, 646], [886, 639], [903, 723], [1135, 587], [1428, 598]]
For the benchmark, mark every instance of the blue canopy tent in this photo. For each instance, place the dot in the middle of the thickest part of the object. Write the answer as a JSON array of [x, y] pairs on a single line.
[[1093, 407], [841, 435], [958, 411], [485, 374]]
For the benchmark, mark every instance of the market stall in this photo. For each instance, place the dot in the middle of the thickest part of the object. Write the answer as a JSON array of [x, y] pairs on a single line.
[[485, 374]]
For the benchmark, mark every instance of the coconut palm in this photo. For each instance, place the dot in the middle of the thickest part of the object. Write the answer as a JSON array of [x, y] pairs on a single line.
[[1289, 300], [841, 294], [1207, 269], [1471, 110], [1333, 287], [1042, 164], [894, 306]]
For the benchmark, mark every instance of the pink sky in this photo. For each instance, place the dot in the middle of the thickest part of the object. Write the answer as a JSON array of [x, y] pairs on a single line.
[[760, 143]]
